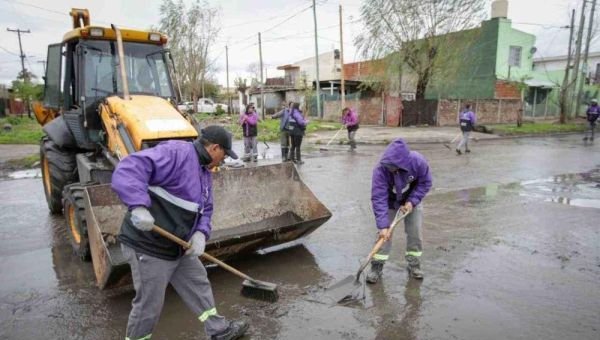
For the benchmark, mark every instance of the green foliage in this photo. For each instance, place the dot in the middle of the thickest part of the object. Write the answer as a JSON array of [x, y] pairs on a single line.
[[219, 110], [24, 131], [28, 90], [25, 162]]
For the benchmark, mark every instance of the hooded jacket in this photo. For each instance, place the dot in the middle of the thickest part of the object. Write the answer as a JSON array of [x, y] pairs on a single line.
[[249, 121], [401, 175], [593, 112], [173, 182], [350, 119]]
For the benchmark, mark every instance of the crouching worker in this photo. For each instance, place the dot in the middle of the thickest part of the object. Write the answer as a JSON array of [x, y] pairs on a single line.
[[170, 185], [400, 182]]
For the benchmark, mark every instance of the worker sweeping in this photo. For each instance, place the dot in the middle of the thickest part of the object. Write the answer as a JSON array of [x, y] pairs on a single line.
[[350, 121], [592, 113], [170, 185], [400, 180], [466, 120]]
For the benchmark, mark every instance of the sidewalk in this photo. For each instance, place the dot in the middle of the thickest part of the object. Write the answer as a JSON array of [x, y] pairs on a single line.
[[384, 135]]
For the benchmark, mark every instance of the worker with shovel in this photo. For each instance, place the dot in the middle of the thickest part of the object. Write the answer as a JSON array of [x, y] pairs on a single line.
[[284, 127], [592, 113], [467, 120], [170, 185], [400, 181]]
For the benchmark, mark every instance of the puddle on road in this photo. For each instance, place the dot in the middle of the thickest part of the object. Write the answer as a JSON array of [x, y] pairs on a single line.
[[581, 190], [29, 173]]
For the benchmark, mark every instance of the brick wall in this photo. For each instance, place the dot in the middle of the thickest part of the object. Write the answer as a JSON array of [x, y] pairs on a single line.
[[368, 109], [490, 111], [506, 90]]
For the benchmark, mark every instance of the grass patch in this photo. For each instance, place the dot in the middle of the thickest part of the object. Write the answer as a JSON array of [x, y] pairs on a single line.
[[536, 128], [23, 163], [24, 131]]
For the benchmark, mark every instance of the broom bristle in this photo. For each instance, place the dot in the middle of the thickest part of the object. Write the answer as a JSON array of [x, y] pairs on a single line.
[[260, 290]]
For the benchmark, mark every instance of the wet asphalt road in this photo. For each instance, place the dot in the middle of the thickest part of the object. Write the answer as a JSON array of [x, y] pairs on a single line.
[[512, 251]]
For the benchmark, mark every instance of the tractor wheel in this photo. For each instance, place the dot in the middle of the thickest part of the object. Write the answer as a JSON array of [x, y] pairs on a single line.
[[59, 168], [76, 223]]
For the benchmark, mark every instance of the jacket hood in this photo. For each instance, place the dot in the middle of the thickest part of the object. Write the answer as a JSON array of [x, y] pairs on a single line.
[[396, 155]]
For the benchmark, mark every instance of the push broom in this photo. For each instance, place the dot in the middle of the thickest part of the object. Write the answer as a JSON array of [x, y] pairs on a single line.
[[331, 140], [251, 288]]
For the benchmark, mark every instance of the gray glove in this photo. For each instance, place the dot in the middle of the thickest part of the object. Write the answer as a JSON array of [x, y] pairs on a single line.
[[142, 219], [198, 243]]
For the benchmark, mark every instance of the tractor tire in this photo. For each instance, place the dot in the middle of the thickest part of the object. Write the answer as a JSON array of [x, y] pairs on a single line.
[[59, 168], [76, 223]]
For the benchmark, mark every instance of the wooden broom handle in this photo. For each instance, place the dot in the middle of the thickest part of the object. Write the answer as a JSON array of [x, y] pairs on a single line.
[[187, 245], [380, 243]]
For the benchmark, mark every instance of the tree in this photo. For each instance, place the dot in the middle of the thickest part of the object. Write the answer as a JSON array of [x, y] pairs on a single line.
[[254, 70], [241, 87], [416, 35], [191, 31]]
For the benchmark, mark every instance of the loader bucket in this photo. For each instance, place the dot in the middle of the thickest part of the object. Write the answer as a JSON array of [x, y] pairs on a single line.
[[254, 208]]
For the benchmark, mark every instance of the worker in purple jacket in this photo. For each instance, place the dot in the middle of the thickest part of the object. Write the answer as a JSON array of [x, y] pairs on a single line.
[[350, 121], [592, 113], [249, 122], [400, 182], [466, 120], [170, 185], [298, 126]]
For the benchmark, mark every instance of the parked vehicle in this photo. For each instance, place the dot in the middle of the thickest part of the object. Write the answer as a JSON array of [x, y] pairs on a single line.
[[205, 105]]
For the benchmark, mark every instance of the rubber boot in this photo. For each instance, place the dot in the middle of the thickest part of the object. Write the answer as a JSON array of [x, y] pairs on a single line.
[[376, 271], [284, 154], [458, 152], [414, 267], [298, 157]]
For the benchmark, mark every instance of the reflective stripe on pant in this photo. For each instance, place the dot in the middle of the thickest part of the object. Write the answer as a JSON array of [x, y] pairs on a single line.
[[414, 237], [151, 276], [464, 141]]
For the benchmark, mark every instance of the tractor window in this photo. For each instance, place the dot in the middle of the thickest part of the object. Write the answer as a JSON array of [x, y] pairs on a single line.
[[145, 65], [52, 93]]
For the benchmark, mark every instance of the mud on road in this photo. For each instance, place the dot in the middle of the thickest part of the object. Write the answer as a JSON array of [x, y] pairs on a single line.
[[511, 251]]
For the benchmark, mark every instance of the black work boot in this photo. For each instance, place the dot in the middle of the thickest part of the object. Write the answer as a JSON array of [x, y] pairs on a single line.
[[298, 157], [375, 273], [458, 152], [468, 151], [235, 330], [414, 267]]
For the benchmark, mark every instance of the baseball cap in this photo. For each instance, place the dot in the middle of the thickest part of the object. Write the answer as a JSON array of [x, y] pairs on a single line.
[[218, 135]]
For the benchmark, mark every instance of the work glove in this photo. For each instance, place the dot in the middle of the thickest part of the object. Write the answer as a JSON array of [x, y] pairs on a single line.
[[142, 219], [197, 244]]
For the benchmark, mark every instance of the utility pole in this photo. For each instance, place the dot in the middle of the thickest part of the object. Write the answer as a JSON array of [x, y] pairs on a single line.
[[564, 91], [227, 68], [585, 57], [576, 72], [262, 93], [343, 76], [43, 62], [22, 56], [24, 72], [319, 113]]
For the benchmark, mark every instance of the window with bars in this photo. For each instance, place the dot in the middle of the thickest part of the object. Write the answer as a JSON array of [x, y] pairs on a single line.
[[514, 56]]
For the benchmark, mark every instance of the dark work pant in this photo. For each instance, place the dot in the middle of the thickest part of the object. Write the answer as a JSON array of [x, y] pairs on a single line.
[[296, 143]]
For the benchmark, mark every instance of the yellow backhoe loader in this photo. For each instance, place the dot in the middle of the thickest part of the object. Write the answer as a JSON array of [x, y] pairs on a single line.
[[109, 93]]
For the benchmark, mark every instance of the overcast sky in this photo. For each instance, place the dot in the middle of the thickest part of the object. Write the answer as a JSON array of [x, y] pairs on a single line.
[[241, 21]]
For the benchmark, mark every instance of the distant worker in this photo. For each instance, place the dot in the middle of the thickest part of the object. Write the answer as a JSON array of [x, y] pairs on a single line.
[[298, 126], [400, 181], [284, 128], [593, 112], [249, 122], [170, 185], [350, 121], [466, 120]]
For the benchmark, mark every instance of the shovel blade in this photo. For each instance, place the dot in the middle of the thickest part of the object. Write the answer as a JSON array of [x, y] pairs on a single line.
[[346, 290]]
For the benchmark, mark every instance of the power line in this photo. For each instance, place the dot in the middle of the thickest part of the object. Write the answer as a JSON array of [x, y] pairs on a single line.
[[7, 51], [290, 17]]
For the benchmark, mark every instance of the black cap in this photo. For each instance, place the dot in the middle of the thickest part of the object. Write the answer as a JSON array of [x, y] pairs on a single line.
[[218, 135]]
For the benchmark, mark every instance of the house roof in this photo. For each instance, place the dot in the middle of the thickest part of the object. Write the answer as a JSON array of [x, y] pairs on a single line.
[[288, 67]]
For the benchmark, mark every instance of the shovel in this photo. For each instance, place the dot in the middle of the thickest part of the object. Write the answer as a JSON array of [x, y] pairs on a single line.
[[451, 142], [352, 288]]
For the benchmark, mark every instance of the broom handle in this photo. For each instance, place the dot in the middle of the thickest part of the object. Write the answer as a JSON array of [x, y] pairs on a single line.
[[379, 244], [331, 140], [187, 245]]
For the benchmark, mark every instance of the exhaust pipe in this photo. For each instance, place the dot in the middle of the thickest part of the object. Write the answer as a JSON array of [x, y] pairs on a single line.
[[122, 62]]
